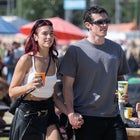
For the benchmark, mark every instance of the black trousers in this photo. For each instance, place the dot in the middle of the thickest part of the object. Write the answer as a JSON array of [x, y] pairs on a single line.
[[99, 128], [32, 127]]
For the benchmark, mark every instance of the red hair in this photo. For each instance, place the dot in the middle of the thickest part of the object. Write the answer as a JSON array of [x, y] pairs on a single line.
[[32, 46]]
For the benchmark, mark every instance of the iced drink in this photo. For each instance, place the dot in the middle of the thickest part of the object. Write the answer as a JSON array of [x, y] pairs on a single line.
[[128, 112], [42, 76], [122, 89]]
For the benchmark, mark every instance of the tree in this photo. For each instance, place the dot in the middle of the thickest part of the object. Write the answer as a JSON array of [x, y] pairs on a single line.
[[35, 9]]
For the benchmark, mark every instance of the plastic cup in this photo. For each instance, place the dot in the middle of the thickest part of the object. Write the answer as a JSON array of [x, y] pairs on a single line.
[[128, 112], [122, 89], [42, 76]]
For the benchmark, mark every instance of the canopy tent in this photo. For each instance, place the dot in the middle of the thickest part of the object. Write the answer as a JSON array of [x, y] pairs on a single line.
[[15, 21], [63, 29], [7, 28], [123, 27]]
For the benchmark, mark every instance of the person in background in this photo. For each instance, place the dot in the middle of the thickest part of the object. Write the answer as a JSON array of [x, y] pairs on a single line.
[[2, 49], [133, 58], [91, 69], [18, 50], [35, 118], [1, 66], [9, 64]]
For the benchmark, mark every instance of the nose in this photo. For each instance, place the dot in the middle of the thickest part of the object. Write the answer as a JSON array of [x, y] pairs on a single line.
[[48, 35], [105, 24]]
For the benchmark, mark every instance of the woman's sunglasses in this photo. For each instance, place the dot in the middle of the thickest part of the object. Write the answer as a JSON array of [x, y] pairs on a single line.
[[100, 22]]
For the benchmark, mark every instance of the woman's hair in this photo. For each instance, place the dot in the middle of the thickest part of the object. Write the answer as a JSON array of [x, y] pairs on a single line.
[[32, 46], [87, 17]]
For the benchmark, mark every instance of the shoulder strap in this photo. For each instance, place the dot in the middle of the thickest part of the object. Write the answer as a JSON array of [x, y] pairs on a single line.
[[23, 96], [48, 65], [33, 63]]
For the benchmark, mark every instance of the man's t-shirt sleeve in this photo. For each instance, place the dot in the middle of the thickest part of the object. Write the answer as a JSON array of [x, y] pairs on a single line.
[[68, 63]]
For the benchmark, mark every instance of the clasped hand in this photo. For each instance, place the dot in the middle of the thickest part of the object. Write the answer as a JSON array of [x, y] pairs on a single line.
[[76, 120]]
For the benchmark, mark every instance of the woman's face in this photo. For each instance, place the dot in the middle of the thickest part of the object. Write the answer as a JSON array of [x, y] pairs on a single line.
[[44, 36]]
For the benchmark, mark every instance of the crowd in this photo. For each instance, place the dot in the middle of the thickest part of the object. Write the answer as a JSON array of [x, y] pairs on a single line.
[[10, 54]]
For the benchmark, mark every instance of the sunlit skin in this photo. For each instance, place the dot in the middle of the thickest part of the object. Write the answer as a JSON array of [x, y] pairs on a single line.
[[97, 32], [45, 38]]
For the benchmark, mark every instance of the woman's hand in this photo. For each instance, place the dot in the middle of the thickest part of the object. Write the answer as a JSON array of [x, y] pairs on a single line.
[[35, 83], [76, 120], [38, 82]]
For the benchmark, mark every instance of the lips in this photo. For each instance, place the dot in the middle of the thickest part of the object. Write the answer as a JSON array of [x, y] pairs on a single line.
[[48, 41], [103, 30]]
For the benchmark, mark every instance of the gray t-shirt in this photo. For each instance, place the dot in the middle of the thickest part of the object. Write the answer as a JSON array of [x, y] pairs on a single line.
[[95, 69]]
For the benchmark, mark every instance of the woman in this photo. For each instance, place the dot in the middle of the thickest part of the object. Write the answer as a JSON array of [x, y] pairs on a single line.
[[36, 113]]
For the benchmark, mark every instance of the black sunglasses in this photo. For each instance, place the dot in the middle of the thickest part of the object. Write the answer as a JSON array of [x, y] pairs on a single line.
[[100, 22]]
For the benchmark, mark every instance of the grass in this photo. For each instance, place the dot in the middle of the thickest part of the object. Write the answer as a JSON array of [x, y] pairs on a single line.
[[8, 118], [4, 138]]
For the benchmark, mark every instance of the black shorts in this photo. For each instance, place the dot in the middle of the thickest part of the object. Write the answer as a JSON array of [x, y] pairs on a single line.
[[33, 126], [99, 128]]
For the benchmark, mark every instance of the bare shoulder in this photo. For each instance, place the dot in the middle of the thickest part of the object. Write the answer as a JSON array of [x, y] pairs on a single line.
[[25, 59], [24, 63]]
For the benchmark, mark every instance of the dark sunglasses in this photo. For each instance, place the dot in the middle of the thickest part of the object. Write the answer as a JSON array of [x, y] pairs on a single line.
[[100, 22]]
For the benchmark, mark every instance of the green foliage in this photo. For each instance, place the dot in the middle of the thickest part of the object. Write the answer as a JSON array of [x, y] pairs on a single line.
[[109, 5], [127, 8], [35, 9]]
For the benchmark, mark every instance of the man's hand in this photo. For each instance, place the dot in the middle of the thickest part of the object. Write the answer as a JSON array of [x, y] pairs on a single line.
[[124, 97], [76, 120]]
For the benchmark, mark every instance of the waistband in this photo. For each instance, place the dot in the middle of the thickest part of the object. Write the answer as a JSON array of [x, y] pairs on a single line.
[[27, 105]]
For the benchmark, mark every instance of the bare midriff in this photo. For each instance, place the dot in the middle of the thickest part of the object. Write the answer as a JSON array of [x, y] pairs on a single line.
[[34, 98]]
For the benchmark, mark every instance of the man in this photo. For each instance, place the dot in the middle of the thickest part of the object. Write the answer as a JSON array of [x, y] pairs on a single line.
[[91, 68]]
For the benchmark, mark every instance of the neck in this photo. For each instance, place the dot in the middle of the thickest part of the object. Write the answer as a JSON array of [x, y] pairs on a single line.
[[96, 40], [45, 56]]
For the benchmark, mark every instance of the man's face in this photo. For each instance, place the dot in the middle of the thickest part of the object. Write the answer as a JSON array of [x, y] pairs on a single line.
[[99, 25]]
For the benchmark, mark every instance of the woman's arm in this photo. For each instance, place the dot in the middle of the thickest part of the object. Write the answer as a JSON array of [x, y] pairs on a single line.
[[22, 68], [58, 102]]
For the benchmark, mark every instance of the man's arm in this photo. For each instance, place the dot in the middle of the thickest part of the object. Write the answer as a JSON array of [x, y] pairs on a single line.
[[75, 119], [68, 93]]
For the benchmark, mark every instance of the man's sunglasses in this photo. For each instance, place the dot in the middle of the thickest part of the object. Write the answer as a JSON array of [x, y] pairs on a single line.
[[100, 22]]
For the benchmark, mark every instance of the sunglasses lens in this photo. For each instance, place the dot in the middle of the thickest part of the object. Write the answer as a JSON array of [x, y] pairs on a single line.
[[100, 22]]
